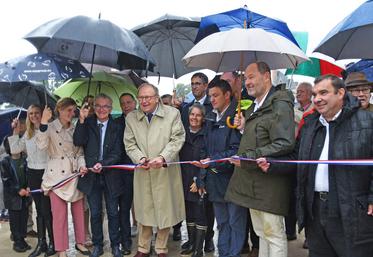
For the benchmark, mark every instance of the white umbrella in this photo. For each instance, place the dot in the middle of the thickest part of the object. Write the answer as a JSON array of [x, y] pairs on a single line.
[[224, 51]]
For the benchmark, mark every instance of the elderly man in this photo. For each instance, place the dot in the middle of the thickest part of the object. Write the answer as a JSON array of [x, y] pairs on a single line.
[[360, 87], [99, 135], [154, 136], [268, 131], [335, 202], [303, 96]]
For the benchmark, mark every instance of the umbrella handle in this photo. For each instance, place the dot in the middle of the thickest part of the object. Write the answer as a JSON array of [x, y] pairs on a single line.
[[228, 120]]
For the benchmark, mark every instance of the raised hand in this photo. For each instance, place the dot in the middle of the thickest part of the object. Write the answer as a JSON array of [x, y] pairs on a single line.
[[83, 113], [46, 116], [16, 126]]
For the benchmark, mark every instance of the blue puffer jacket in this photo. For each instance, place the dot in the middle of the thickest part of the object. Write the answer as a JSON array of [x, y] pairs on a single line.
[[221, 142]]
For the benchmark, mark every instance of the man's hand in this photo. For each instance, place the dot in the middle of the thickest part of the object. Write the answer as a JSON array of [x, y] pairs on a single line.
[[239, 121], [83, 170], [201, 191], [24, 192], [97, 168], [83, 113], [144, 163], [47, 115], [204, 163], [235, 161], [193, 187], [157, 162], [16, 126], [370, 209], [263, 164]]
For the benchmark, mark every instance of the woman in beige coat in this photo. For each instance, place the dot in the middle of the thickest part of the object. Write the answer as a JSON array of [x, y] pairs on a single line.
[[64, 160]]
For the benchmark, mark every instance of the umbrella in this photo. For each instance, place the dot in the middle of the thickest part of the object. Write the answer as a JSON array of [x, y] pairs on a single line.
[[315, 68], [39, 67], [224, 51], [352, 37], [25, 93], [168, 39], [92, 41], [365, 66], [102, 82], [6, 118], [237, 19]]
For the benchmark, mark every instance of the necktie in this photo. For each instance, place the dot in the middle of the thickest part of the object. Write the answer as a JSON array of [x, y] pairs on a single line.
[[100, 156], [149, 116]]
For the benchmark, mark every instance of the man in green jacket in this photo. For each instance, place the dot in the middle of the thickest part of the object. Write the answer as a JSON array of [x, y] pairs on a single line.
[[268, 130]]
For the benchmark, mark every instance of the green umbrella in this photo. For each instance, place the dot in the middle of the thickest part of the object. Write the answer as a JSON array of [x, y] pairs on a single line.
[[102, 82]]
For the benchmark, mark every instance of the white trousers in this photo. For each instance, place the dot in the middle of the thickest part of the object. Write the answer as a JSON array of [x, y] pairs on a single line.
[[271, 231]]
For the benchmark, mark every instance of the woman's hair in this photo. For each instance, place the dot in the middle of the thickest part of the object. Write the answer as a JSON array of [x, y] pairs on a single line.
[[64, 103], [30, 127], [199, 107]]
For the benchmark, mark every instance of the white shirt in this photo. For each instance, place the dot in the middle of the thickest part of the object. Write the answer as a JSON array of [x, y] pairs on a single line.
[[322, 170], [259, 104], [220, 115], [201, 101]]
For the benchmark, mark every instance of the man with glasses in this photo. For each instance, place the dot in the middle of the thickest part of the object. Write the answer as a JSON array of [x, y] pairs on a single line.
[[99, 135], [360, 87], [153, 137]]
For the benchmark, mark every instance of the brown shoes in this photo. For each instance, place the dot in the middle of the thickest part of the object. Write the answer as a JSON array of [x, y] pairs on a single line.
[[140, 254]]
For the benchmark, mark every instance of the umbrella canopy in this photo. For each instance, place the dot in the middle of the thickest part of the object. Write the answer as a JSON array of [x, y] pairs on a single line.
[[365, 66], [25, 93], [237, 18], [222, 51], [316, 67], [168, 39], [351, 38], [81, 37], [39, 67], [102, 82], [6, 118]]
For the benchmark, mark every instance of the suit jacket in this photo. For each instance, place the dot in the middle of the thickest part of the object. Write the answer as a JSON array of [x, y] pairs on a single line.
[[87, 135]]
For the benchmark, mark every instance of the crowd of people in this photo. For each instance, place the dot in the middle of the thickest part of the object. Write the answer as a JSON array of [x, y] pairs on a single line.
[[189, 164]]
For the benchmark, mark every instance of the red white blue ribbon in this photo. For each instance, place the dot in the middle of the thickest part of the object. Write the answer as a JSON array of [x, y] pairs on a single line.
[[59, 184]]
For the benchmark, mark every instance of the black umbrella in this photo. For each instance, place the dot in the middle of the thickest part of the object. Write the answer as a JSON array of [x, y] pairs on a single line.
[[168, 39], [25, 93], [40, 67], [91, 40]]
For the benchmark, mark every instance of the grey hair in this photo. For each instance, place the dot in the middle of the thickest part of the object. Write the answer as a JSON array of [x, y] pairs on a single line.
[[104, 96], [198, 106], [156, 90]]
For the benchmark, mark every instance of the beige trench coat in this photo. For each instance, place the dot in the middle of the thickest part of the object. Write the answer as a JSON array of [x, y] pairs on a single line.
[[158, 193], [64, 160]]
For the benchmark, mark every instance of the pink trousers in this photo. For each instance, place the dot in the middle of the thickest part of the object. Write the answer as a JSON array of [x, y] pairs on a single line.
[[60, 226]]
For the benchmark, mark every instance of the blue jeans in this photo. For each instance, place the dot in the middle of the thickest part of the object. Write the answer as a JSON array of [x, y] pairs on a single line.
[[95, 206], [231, 220]]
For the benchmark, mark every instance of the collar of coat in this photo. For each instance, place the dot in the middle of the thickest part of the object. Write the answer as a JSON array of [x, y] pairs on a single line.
[[160, 112], [58, 125], [274, 94]]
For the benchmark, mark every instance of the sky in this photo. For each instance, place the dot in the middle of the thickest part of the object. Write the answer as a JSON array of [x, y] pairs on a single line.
[[18, 17]]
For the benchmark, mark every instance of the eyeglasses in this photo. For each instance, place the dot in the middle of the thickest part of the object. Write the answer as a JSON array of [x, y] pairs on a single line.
[[106, 107], [196, 84], [145, 98], [364, 90]]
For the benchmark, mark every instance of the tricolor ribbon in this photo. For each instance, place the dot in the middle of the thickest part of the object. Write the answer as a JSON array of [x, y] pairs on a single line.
[[59, 184]]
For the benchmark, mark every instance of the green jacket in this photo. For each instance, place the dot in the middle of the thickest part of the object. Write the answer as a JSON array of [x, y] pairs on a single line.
[[268, 132]]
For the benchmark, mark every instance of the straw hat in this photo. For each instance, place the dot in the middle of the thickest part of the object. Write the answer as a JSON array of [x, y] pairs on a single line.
[[357, 79]]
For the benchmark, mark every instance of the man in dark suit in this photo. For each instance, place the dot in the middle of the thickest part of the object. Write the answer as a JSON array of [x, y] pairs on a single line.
[[99, 135], [127, 104]]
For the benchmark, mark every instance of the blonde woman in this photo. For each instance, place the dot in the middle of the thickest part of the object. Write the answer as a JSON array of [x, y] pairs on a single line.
[[36, 164], [64, 159]]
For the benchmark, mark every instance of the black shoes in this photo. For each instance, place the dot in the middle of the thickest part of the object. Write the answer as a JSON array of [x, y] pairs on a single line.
[[21, 246], [126, 250], [291, 237], [97, 251], [82, 251], [209, 246]]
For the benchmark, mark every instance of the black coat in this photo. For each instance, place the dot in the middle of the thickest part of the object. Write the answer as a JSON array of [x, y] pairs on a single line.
[[11, 186], [221, 142], [194, 149], [87, 136], [351, 187]]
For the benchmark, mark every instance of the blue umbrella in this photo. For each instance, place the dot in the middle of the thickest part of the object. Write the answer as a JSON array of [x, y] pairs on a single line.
[[235, 19], [351, 38], [40, 67], [365, 66]]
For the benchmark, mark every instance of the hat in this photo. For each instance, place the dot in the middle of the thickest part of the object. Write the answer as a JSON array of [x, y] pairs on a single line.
[[357, 79]]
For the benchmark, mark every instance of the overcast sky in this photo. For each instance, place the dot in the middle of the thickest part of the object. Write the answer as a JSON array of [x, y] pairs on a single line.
[[19, 17]]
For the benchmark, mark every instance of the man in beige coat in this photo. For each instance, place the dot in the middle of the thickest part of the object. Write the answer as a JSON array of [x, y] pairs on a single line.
[[154, 135]]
